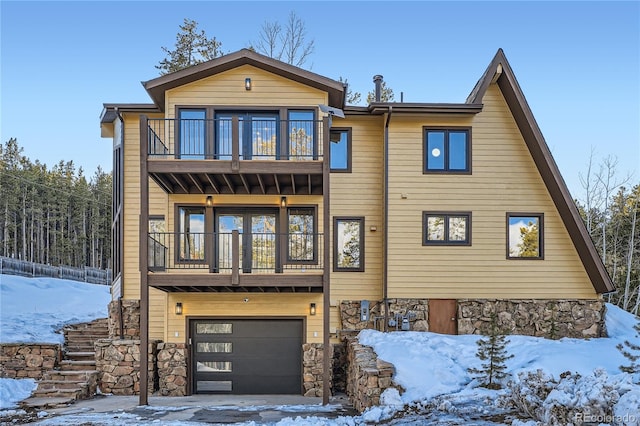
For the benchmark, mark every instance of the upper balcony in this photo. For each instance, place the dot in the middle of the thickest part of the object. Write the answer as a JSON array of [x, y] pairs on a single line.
[[236, 153]]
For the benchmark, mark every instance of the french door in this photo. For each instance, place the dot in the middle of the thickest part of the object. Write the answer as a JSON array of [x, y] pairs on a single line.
[[258, 134], [258, 243]]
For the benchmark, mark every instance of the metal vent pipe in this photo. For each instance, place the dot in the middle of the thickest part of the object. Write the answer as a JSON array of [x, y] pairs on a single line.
[[377, 79]]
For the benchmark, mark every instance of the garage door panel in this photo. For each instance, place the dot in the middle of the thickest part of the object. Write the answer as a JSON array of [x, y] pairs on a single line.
[[247, 356]]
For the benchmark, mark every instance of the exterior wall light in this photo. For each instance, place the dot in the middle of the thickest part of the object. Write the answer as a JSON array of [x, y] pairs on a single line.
[[283, 202], [312, 309], [179, 308], [247, 83], [209, 201]]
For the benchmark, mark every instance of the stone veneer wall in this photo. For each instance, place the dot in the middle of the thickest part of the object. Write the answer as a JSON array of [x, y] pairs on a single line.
[[28, 360], [130, 317], [312, 363], [367, 375], [118, 365], [533, 317], [417, 311], [172, 369]]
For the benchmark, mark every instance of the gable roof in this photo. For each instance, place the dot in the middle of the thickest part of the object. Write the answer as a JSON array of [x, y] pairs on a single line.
[[499, 71], [157, 87]]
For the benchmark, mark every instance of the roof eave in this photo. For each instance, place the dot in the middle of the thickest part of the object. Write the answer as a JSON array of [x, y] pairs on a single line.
[[158, 86], [424, 108]]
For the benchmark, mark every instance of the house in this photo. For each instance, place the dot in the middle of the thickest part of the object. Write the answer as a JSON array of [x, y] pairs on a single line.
[[254, 226]]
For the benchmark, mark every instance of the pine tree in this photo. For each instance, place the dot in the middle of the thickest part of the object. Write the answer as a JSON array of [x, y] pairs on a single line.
[[192, 48], [492, 351], [631, 351]]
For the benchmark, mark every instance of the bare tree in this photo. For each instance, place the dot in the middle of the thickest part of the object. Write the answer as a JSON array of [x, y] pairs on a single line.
[[288, 44]]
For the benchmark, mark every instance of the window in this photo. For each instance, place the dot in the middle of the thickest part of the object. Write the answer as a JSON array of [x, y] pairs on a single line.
[[192, 134], [348, 244], [447, 150], [446, 228], [302, 239], [302, 145], [157, 243], [525, 236], [340, 150], [191, 234]]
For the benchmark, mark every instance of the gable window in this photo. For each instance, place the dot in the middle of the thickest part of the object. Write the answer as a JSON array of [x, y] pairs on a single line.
[[191, 234], [348, 244], [302, 240], [340, 150], [447, 150], [444, 228], [525, 236]]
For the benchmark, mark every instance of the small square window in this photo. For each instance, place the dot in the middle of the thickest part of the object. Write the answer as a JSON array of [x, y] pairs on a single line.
[[446, 228], [447, 150], [340, 146], [525, 236], [348, 244]]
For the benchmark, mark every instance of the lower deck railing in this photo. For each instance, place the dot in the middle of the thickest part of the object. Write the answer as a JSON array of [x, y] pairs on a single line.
[[236, 252]]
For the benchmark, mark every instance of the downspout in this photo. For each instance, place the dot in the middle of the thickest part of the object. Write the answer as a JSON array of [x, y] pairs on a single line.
[[385, 250]]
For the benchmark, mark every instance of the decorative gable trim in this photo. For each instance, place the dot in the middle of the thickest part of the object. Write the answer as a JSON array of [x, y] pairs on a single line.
[[158, 86], [499, 71]]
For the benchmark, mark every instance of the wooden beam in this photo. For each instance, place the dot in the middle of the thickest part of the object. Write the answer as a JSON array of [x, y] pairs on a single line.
[[275, 180], [197, 184], [261, 183], [159, 179], [180, 183], [293, 184], [309, 183], [244, 183], [179, 166], [212, 183], [186, 281], [231, 187]]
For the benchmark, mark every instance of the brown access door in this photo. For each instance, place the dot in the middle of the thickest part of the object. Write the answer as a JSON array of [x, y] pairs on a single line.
[[443, 316]]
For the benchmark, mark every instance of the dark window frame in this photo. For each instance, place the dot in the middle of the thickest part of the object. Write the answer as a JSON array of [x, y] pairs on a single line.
[[540, 217], [178, 237], [314, 212], [446, 170], [336, 220], [446, 241], [348, 130]]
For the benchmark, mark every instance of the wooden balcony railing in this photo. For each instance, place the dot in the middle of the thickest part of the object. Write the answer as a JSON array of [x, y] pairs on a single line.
[[236, 253], [235, 139]]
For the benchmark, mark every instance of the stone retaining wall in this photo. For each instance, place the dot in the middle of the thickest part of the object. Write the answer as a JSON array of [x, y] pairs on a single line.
[[172, 369], [118, 365], [130, 317], [28, 360], [532, 317], [367, 375]]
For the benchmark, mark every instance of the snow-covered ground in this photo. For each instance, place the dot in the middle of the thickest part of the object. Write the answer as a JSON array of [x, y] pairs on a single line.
[[432, 368]]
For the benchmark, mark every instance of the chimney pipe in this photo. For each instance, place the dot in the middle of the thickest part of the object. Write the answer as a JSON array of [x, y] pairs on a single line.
[[377, 79]]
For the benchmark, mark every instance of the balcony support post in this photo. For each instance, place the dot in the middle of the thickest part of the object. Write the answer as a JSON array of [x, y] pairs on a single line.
[[235, 143], [235, 257], [144, 261], [326, 304]]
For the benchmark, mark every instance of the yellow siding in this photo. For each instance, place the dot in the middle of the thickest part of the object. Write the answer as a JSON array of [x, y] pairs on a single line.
[[227, 89], [360, 193], [232, 305], [158, 203], [505, 179]]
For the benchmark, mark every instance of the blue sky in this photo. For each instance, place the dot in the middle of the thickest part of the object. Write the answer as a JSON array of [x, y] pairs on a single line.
[[577, 63]]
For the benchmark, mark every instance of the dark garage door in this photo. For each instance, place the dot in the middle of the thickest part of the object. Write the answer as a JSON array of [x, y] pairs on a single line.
[[248, 356]]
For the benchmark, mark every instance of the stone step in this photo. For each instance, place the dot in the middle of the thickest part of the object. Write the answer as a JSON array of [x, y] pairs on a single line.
[[44, 385], [67, 365], [73, 393], [39, 403], [72, 375], [80, 355]]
